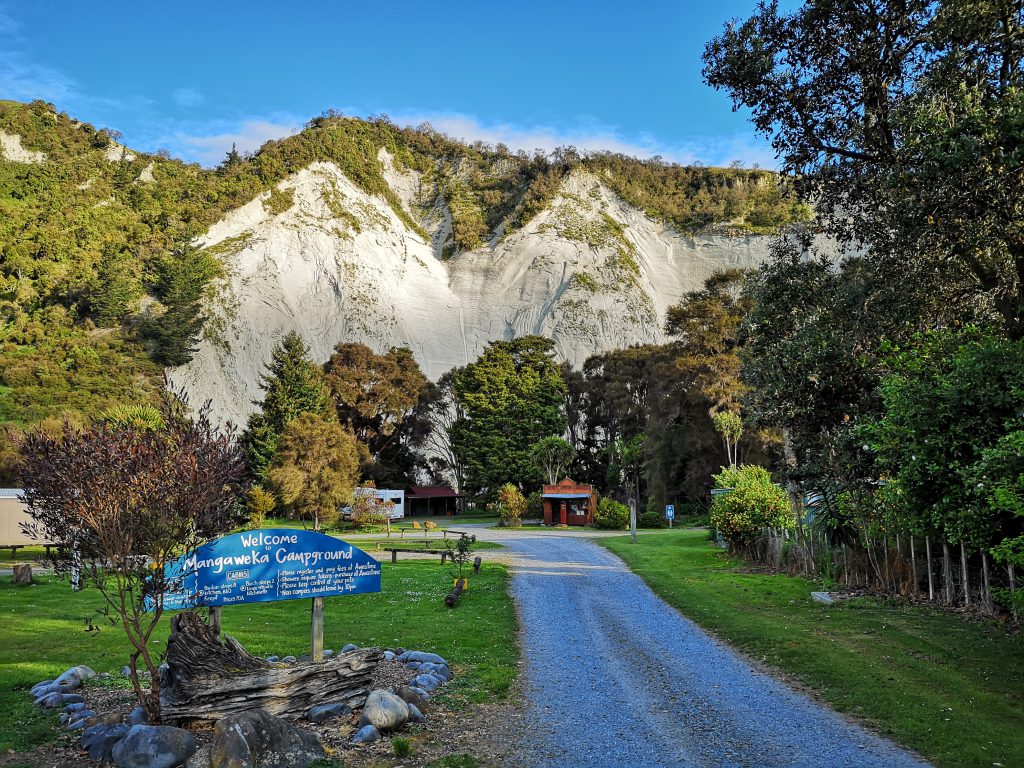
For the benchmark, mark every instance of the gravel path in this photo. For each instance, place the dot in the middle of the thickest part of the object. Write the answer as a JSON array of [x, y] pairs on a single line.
[[615, 677]]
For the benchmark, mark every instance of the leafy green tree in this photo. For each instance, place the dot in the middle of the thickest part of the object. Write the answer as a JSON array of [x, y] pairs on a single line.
[[901, 120], [949, 402], [117, 289], [293, 384], [552, 455], [180, 285], [511, 397], [316, 468], [511, 506], [730, 426]]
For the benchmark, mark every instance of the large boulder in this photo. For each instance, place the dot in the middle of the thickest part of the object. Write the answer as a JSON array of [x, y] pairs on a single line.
[[153, 746], [257, 739], [384, 711], [100, 740], [75, 676], [411, 695]]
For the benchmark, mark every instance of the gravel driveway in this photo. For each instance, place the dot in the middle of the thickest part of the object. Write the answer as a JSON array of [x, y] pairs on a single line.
[[615, 677]]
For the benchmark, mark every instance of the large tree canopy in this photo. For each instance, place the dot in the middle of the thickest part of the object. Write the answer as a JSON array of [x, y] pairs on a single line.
[[511, 397], [902, 121]]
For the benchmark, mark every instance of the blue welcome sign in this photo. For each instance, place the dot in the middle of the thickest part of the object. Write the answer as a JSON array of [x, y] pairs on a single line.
[[268, 565]]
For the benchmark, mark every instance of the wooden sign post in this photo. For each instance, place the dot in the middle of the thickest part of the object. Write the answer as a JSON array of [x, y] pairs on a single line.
[[316, 642]]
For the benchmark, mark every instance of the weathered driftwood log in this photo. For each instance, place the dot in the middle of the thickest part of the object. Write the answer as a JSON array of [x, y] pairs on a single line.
[[23, 574], [208, 680]]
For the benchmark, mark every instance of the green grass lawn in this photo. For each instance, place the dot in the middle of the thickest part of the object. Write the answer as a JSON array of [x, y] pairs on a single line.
[[951, 689], [42, 633]]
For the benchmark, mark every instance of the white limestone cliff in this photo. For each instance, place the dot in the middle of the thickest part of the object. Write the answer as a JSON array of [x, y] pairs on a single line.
[[591, 272]]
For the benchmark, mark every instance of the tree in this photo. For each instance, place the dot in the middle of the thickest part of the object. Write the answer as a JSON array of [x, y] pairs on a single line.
[[511, 506], [293, 385], [511, 397], [730, 426], [382, 399], [181, 282], [129, 500], [117, 288], [316, 468], [552, 455], [901, 121]]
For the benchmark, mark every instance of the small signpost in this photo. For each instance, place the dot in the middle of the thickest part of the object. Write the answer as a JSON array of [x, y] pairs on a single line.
[[670, 513], [632, 519], [269, 565]]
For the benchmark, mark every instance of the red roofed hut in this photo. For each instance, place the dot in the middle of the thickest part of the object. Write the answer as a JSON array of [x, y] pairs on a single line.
[[433, 500], [569, 504]]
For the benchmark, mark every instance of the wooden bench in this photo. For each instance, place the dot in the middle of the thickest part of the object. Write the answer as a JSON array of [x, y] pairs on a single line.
[[395, 550]]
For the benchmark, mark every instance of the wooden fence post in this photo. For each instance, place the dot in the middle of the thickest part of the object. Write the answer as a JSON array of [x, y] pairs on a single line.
[[913, 566], [963, 569], [931, 584], [947, 572], [986, 589]]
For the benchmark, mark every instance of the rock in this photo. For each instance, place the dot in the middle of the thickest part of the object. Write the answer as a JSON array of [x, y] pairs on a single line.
[[385, 711], [257, 738], [75, 676], [410, 695], [153, 746], [822, 597], [423, 694], [305, 657], [273, 659], [414, 665], [443, 672], [389, 655], [72, 698], [349, 647], [427, 682], [126, 671], [328, 653], [398, 651], [49, 701], [289, 660], [77, 707], [324, 712], [99, 740], [79, 723], [415, 716], [421, 657], [39, 686], [366, 735], [137, 716], [47, 690]]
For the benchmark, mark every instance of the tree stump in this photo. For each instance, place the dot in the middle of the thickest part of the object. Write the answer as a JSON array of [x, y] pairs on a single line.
[[207, 680], [23, 574]]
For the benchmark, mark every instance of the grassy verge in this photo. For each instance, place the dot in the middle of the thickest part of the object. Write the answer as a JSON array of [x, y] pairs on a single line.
[[42, 633], [951, 689]]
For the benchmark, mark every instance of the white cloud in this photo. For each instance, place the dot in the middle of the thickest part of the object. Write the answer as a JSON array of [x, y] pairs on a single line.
[[209, 145], [721, 150], [188, 97]]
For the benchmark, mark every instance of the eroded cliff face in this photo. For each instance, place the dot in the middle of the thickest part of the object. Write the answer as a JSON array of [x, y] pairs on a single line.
[[319, 256]]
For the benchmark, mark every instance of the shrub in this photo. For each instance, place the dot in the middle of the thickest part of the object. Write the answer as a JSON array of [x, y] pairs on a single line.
[[611, 515], [401, 745], [511, 506], [259, 503], [753, 505], [650, 519]]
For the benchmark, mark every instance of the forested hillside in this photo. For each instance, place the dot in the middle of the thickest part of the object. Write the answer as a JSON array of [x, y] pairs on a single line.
[[100, 287]]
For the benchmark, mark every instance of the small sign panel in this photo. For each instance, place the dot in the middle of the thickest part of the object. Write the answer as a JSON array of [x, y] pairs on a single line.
[[268, 565], [670, 511]]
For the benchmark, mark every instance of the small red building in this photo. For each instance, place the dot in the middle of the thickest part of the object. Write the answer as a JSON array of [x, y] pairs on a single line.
[[569, 504]]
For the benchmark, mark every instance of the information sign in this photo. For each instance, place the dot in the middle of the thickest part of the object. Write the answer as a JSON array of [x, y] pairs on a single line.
[[268, 565], [670, 511]]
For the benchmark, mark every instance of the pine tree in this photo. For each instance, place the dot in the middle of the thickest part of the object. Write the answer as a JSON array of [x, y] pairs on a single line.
[[293, 385]]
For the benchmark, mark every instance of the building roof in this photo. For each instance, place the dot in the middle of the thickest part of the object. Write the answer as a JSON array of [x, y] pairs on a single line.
[[11, 493], [432, 492], [565, 495]]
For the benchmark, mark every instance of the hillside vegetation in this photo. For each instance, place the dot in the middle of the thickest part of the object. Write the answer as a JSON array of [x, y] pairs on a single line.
[[100, 289]]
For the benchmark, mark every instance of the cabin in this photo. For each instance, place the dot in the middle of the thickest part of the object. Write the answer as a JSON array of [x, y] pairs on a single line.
[[13, 513], [433, 500], [568, 503]]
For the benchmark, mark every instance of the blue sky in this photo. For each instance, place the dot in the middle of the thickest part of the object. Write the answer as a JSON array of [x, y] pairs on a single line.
[[193, 77]]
